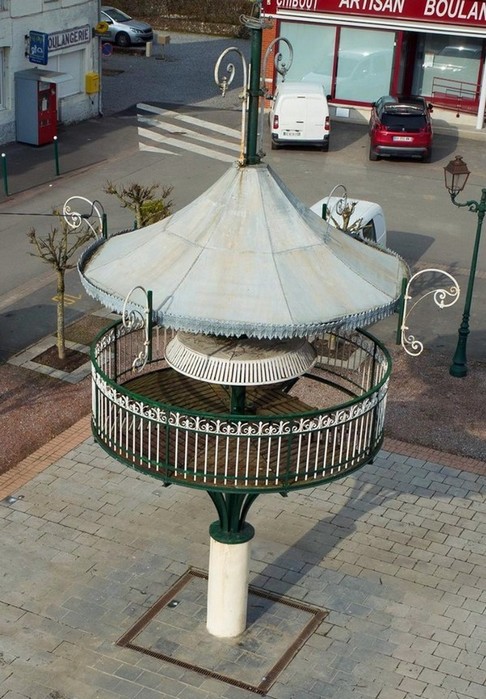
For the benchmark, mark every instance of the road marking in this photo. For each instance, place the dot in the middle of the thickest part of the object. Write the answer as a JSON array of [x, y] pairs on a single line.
[[210, 126], [193, 147], [188, 133], [155, 149], [69, 299], [157, 121]]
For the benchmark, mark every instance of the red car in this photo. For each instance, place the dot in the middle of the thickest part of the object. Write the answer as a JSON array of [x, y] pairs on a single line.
[[401, 127]]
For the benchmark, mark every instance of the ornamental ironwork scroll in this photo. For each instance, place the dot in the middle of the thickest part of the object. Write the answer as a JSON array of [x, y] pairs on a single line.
[[135, 319], [281, 68], [443, 298], [75, 219], [224, 83], [344, 208]]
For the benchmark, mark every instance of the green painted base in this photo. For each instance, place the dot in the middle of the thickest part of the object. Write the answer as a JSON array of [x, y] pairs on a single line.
[[224, 537], [458, 371]]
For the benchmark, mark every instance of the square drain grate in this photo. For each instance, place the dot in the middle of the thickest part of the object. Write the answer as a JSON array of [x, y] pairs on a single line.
[[174, 630]]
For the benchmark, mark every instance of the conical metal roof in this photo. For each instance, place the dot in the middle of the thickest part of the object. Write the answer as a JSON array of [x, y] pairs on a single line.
[[246, 258]]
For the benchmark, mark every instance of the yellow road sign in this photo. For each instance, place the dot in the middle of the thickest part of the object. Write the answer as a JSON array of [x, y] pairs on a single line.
[[102, 27]]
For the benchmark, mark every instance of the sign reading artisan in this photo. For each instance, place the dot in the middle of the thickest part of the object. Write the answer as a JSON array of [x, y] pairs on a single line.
[[69, 37], [465, 12]]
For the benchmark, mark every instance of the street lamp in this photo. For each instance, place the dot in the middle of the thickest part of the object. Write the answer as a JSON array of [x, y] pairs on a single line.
[[456, 174]]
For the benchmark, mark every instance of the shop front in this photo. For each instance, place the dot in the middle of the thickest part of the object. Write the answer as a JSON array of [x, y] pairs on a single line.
[[363, 49], [48, 55]]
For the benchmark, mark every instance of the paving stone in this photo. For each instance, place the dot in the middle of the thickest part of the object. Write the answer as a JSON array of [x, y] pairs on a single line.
[[146, 693], [431, 677], [475, 691], [418, 622], [433, 692], [455, 684], [412, 686]]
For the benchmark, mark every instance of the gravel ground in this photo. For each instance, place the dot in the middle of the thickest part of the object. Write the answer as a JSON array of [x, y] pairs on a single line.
[[34, 409], [429, 407], [426, 406]]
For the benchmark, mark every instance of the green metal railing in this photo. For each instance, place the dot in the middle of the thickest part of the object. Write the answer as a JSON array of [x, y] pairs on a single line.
[[243, 453]]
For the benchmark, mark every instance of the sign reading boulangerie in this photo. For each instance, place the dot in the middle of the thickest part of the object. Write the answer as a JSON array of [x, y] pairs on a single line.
[[69, 37], [459, 12]]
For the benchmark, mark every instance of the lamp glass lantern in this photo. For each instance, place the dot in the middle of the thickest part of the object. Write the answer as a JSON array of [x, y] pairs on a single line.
[[456, 174]]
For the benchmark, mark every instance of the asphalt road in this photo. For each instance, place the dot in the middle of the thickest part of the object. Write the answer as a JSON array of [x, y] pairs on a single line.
[[423, 225]]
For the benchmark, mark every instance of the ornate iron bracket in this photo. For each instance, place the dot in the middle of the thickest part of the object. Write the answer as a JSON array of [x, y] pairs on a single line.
[[257, 19], [74, 219], [282, 69], [134, 320], [232, 509], [226, 81], [443, 298], [343, 208]]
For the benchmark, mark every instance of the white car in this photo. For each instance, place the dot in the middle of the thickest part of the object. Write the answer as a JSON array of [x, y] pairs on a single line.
[[360, 218]]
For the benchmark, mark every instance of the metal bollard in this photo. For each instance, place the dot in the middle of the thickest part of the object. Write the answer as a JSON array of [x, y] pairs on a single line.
[[104, 226], [4, 172], [56, 155]]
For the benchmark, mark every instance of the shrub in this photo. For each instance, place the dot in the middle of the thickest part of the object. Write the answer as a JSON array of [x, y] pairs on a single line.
[[212, 11]]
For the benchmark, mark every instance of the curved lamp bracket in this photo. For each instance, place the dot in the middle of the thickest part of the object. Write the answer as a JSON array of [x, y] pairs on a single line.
[[134, 320], [257, 19], [282, 69], [344, 208], [74, 219], [223, 84], [443, 298]]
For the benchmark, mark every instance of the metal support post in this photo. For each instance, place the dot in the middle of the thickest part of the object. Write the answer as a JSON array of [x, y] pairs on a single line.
[[458, 367]]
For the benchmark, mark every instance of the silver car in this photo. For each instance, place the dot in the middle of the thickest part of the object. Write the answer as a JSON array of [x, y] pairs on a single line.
[[123, 30]]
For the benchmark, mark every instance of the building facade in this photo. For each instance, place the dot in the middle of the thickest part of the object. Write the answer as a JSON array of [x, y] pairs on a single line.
[[49, 66], [363, 49]]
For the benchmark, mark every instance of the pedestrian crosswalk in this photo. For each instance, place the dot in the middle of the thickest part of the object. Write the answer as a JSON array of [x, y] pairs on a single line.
[[166, 131]]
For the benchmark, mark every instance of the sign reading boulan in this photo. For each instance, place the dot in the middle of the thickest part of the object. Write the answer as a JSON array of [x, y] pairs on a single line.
[[458, 12], [69, 37]]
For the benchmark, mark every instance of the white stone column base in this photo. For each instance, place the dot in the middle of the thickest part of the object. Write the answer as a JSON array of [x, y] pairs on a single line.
[[227, 588]]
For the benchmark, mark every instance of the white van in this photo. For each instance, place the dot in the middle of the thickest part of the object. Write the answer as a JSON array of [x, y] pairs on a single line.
[[300, 115], [360, 218]]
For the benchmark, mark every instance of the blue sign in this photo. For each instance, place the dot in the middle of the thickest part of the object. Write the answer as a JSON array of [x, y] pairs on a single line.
[[106, 49], [38, 47]]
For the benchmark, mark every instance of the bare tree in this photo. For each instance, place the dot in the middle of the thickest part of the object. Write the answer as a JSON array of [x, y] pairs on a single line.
[[57, 249], [141, 199]]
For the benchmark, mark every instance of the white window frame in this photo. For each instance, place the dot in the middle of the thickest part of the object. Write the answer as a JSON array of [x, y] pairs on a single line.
[[3, 104]]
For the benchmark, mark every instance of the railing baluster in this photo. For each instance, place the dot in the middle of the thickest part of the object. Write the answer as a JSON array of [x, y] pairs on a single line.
[[246, 451]]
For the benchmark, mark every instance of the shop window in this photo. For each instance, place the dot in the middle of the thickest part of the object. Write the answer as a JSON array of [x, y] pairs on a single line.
[[364, 66], [447, 67], [313, 52]]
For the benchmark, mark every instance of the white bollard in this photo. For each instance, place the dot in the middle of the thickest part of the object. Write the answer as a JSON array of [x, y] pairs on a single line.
[[227, 588], [148, 49]]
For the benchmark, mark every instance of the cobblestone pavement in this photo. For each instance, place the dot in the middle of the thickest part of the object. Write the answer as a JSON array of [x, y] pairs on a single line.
[[395, 555]]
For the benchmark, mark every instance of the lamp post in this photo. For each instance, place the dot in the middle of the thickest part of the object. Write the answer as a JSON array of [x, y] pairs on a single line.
[[456, 174]]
